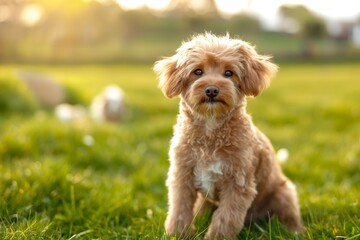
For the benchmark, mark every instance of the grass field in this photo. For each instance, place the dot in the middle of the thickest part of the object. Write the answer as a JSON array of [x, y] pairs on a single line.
[[55, 186]]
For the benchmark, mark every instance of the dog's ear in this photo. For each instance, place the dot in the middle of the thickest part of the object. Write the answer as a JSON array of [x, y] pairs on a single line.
[[257, 71], [169, 81]]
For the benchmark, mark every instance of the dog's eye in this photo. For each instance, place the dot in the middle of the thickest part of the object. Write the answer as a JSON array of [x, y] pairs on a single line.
[[228, 73], [198, 72]]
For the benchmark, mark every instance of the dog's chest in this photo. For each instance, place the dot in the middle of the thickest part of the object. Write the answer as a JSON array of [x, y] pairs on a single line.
[[207, 175]]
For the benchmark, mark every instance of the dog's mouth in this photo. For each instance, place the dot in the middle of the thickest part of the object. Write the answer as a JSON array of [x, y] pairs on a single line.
[[213, 100], [212, 106]]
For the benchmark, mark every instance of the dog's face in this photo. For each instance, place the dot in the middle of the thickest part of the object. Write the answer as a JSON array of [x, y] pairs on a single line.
[[213, 74]]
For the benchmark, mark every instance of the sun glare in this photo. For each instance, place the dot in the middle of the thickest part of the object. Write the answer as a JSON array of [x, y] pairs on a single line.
[[31, 15], [230, 6], [134, 4], [225, 6], [344, 9], [157, 4]]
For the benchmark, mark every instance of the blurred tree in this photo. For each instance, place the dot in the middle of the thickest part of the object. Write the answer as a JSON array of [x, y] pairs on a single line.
[[189, 7], [196, 16], [134, 23], [82, 26], [99, 30], [10, 12], [310, 25], [68, 30], [245, 23], [93, 30]]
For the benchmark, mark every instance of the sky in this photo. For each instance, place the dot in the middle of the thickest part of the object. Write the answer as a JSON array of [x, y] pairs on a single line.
[[333, 10]]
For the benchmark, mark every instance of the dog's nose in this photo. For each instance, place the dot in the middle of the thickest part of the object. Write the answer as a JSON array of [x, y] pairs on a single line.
[[212, 91]]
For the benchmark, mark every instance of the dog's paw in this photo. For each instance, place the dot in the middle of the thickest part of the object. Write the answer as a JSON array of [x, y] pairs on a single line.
[[296, 228], [223, 227], [220, 233], [179, 228], [213, 235]]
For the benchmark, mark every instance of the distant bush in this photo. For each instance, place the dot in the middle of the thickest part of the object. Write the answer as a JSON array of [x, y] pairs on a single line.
[[73, 96], [14, 97]]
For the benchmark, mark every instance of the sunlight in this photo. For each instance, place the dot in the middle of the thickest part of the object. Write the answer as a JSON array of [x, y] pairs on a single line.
[[5, 13], [268, 9], [134, 4], [157, 4], [230, 6], [31, 15]]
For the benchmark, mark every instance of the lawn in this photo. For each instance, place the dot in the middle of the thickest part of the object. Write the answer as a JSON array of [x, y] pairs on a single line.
[[54, 185]]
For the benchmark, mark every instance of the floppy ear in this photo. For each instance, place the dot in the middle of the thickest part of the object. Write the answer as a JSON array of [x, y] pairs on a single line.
[[169, 81], [257, 71]]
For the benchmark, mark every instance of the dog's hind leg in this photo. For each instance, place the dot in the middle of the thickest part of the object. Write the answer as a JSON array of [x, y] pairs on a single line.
[[284, 204]]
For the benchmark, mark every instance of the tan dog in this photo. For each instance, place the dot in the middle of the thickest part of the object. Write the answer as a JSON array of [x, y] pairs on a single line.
[[217, 155]]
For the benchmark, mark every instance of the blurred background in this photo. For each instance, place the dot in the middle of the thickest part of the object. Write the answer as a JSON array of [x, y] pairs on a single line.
[[82, 122], [83, 31]]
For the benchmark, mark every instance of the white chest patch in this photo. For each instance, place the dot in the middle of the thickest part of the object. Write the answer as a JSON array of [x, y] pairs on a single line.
[[205, 177], [210, 124]]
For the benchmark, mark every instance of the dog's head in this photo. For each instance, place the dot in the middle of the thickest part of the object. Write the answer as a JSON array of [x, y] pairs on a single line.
[[212, 74]]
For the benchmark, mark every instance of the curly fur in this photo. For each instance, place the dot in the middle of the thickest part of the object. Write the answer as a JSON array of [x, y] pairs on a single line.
[[218, 157]]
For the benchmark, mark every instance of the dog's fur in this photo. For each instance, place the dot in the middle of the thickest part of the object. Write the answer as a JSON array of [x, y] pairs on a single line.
[[217, 156]]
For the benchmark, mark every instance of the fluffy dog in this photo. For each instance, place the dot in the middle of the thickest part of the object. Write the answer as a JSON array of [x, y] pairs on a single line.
[[217, 156]]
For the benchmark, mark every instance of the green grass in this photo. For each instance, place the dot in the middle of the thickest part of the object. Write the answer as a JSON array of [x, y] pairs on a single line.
[[53, 186]]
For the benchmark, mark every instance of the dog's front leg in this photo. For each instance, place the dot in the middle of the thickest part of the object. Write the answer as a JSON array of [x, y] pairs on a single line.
[[182, 196], [228, 219]]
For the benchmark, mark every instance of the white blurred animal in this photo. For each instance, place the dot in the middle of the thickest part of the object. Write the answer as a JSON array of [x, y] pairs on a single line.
[[66, 112], [109, 105]]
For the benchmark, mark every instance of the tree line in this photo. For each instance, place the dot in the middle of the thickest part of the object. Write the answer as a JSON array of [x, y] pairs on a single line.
[[90, 31]]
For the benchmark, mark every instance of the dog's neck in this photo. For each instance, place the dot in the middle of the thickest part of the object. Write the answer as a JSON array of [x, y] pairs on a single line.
[[213, 123]]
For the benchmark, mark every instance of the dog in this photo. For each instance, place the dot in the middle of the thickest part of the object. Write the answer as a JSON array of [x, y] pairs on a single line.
[[108, 105], [218, 158]]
